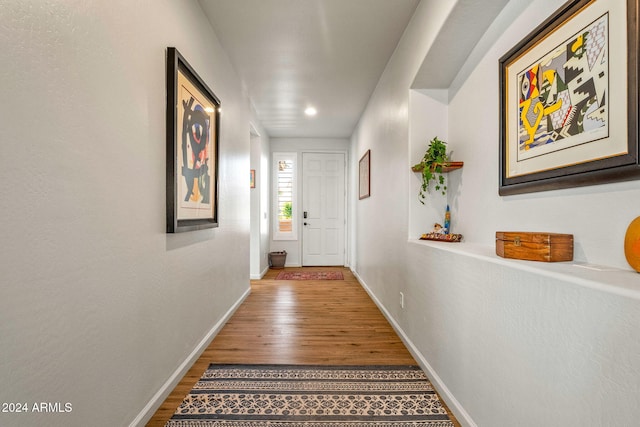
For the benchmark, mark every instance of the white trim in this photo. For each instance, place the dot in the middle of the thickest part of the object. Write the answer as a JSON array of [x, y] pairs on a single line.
[[463, 417], [150, 408], [259, 276]]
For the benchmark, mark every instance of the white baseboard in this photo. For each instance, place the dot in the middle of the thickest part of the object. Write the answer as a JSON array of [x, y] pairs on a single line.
[[147, 412], [259, 276], [463, 417]]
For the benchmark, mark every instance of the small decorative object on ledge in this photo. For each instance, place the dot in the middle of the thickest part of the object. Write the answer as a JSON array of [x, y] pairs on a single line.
[[434, 163], [547, 247], [442, 237], [447, 221], [632, 244], [441, 234]]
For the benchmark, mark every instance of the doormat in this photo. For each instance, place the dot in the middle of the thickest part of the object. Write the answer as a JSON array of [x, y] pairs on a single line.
[[311, 396], [310, 275]]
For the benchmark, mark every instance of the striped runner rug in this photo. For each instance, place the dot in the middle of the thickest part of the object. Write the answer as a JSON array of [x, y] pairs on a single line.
[[311, 396]]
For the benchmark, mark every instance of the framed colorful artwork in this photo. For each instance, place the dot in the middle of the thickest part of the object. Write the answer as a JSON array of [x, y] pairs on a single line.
[[365, 175], [569, 100], [252, 179], [193, 124]]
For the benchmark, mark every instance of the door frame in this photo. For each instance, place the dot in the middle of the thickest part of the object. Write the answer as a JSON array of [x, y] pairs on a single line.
[[347, 188]]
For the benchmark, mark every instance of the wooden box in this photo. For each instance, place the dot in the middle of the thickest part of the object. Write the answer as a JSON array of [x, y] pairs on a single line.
[[548, 247]]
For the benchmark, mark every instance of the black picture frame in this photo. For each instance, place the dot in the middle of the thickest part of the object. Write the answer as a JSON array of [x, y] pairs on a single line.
[[598, 170], [193, 129]]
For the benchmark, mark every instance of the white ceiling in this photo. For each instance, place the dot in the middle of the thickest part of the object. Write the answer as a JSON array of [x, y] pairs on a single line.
[[330, 54], [291, 54]]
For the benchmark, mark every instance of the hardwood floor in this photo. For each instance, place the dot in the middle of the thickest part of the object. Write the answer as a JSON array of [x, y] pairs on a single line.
[[331, 322]]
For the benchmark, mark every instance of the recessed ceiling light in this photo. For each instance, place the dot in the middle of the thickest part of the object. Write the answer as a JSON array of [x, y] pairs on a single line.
[[310, 111]]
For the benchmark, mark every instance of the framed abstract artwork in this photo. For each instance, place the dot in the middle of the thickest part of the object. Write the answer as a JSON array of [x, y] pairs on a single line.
[[252, 179], [365, 175], [569, 100], [193, 124]]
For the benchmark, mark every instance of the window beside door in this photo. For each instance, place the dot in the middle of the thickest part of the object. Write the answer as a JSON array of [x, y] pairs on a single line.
[[285, 225]]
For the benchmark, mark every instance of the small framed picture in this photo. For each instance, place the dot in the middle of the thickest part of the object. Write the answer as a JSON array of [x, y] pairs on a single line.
[[365, 175]]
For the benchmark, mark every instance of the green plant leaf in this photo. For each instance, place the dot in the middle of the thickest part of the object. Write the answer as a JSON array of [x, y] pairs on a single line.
[[431, 164]]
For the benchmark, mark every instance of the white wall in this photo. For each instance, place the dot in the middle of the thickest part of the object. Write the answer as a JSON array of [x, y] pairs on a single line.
[[299, 146], [382, 219], [260, 212], [517, 346], [98, 306], [506, 342]]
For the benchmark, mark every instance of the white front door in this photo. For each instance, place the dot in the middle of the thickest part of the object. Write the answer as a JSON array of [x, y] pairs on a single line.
[[323, 206]]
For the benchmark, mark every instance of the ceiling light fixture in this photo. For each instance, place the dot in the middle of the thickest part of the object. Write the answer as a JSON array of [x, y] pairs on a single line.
[[310, 111]]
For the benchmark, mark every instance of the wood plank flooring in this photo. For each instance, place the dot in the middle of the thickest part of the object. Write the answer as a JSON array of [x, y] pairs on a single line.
[[330, 322]]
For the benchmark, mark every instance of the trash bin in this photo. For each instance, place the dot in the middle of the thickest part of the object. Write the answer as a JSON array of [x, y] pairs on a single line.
[[277, 259]]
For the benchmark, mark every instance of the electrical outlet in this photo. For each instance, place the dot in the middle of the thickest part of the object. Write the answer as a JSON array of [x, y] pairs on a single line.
[[401, 300]]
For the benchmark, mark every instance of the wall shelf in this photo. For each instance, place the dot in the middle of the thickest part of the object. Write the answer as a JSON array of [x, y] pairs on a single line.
[[446, 167]]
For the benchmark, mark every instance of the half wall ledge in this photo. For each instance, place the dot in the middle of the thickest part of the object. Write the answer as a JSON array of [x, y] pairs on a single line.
[[612, 280]]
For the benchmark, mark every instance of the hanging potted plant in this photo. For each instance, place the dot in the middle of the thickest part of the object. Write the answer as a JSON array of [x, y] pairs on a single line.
[[432, 166]]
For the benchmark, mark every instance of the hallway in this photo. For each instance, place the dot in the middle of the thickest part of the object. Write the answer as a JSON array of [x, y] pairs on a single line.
[[326, 322]]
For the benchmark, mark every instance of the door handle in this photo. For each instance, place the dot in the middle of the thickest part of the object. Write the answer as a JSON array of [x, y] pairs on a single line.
[[306, 223]]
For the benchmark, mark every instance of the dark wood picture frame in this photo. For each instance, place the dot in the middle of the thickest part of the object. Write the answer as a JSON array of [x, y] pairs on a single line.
[[364, 173], [598, 170], [193, 129]]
